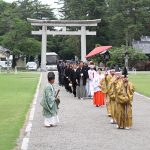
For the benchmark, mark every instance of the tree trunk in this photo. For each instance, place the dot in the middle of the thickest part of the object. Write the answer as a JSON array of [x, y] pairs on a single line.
[[13, 62]]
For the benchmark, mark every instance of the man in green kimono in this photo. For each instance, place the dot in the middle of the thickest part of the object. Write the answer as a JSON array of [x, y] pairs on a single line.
[[50, 103]]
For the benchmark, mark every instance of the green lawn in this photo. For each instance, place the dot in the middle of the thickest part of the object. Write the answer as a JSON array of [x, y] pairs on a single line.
[[16, 94], [142, 82]]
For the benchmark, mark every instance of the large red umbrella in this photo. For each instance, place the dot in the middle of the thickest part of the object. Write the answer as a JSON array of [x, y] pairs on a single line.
[[98, 50]]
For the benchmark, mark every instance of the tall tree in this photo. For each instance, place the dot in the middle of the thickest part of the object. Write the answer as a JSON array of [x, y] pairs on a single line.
[[87, 9], [15, 31], [129, 18]]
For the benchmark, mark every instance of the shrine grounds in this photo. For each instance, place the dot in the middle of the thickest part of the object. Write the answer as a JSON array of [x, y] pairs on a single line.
[[16, 94], [141, 81]]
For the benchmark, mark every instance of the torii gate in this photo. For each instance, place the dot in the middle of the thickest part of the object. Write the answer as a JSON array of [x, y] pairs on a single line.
[[62, 23]]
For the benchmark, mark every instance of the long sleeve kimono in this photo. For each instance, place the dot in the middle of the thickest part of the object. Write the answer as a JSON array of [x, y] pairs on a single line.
[[98, 99], [124, 104], [81, 77], [92, 74], [105, 83], [50, 106], [112, 97], [105, 87]]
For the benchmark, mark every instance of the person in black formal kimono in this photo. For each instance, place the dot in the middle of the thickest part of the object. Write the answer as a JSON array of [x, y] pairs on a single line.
[[60, 68], [81, 77], [67, 72], [73, 79]]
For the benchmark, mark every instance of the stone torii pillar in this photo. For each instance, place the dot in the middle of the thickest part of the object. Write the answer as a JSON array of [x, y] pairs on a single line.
[[43, 48], [64, 24], [83, 43]]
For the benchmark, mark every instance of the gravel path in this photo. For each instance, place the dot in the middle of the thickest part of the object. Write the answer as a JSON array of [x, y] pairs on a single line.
[[85, 127]]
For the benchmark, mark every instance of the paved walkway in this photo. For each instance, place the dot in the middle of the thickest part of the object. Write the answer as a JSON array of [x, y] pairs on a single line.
[[85, 127]]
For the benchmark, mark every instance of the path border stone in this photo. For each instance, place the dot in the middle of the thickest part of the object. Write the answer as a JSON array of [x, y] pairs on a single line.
[[28, 127], [142, 95]]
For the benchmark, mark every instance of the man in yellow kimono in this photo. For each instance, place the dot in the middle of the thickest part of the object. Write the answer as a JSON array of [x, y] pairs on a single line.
[[112, 96], [124, 98], [105, 83], [104, 87]]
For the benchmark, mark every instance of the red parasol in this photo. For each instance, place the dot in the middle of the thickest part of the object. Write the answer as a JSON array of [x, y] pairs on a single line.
[[98, 50]]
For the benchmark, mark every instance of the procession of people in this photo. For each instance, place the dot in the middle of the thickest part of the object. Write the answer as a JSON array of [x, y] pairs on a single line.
[[108, 88], [85, 81]]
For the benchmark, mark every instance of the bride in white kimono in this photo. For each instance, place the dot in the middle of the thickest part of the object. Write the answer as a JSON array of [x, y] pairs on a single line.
[[91, 74]]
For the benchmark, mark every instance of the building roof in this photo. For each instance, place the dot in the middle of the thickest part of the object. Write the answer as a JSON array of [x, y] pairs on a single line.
[[51, 53]]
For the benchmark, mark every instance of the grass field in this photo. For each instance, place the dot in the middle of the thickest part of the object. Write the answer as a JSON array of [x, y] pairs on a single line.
[[16, 93], [142, 82]]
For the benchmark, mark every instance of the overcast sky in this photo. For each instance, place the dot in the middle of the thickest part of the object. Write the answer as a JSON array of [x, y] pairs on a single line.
[[49, 2]]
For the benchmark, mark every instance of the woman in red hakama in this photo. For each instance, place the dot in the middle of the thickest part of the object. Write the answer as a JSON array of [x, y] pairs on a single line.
[[99, 96]]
